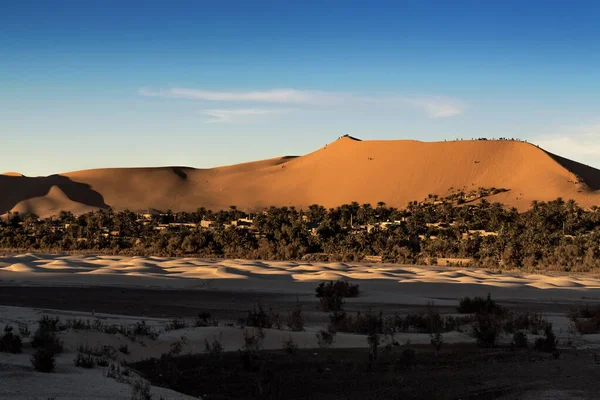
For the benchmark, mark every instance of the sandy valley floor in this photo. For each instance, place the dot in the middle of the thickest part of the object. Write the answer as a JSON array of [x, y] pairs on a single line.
[[125, 290]]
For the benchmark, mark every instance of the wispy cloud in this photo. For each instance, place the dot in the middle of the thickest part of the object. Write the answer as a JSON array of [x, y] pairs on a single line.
[[578, 142], [237, 115], [432, 106]]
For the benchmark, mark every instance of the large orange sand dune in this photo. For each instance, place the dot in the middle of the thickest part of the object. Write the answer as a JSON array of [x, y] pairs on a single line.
[[346, 170]]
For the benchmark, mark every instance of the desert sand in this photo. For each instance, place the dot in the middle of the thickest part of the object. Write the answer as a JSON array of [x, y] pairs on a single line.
[[346, 170], [400, 287]]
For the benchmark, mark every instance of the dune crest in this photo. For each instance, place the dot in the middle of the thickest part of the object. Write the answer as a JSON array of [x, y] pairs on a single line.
[[346, 170]]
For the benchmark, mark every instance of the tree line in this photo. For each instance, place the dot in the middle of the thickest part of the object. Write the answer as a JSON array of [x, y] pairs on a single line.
[[553, 235]]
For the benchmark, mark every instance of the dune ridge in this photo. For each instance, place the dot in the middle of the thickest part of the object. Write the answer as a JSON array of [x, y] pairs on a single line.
[[396, 172]]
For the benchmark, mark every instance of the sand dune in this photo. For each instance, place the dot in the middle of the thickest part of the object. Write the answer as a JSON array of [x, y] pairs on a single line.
[[287, 277], [346, 170]]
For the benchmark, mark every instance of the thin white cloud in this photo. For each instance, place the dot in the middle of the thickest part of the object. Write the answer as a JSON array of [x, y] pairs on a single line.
[[433, 106], [237, 115], [580, 143]]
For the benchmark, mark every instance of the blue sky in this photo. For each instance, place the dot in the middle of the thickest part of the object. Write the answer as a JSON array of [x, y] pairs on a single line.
[[88, 84]]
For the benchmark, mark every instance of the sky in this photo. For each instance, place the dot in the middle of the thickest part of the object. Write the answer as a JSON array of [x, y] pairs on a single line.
[[91, 84]]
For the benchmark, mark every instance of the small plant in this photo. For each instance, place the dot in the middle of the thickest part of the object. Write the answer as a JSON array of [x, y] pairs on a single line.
[[289, 346], [143, 329], [141, 391], [79, 324], [486, 330], [331, 294], [43, 359], [51, 324], [249, 353], [175, 324], [260, 318], [117, 373], [24, 330], [478, 305], [49, 340], [124, 349], [436, 340], [548, 343], [295, 319], [85, 361], [204, 319], [325, 338], [373, 340], [176, 348], [9, 342], [214, 349], [520, 340]]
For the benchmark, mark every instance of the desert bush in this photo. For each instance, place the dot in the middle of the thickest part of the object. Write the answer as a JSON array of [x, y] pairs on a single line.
[[331, 294], [520, 340], [486, 329], [205, 319], [214, 349], [117, 373], [339, 288], [325, 338], [259, 318], [436, 339], [51, 324], [249, 353], [175, 324], [143, 329], [24, 330], [104, 351], [48, 340], [43, 359], [289, 346], [529, 321], [9, 342], [79, 324], [364, 323], [373, 339], [477, 305], [141, 391], [124, 349], [176, 348], [85, 361], [295, 319], [548, 343], [586, 319]]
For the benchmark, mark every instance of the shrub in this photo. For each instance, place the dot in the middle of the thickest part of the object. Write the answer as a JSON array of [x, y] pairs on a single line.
[[84, 361], [259, 318], [548, 343], [406, 359], [214, 349], [331, 294], [79, 324], [99, 351], [520, 340], [141, 391], [24, 330], [373, 340], [43, 359], [48, 340], [295, 319], [249, 353], [586, 319], [289, 346], [477, 305], [175, 324], [51, 324], [325, 338], [529, 321], [9, 342], [124, 349], [486, 330], [204, 319], [436, 339], [143, 329], [176, 348], [364, 323]]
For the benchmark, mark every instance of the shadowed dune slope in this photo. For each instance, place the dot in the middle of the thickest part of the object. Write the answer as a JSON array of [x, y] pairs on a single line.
[[346, 170]]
